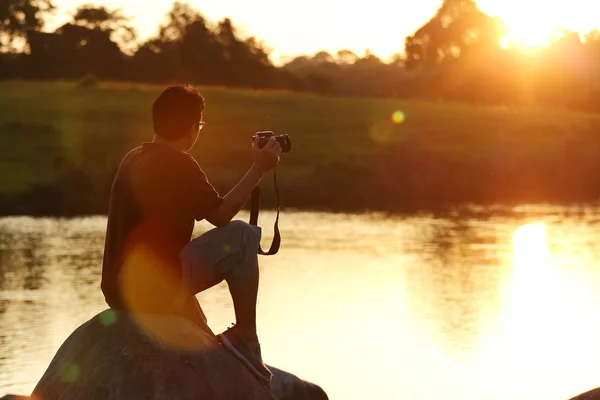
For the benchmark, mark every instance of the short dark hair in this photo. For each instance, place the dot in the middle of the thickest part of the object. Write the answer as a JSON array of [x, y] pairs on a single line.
[[176, 109]]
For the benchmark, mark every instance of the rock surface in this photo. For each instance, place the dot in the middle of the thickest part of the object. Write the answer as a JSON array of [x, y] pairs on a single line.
[[117, 356], [591, 395]]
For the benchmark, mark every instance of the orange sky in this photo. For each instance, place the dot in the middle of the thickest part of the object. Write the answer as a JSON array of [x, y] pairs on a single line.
[[292, 28]]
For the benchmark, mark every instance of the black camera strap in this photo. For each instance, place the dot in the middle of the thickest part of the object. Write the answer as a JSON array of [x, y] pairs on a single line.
[[254, 210]]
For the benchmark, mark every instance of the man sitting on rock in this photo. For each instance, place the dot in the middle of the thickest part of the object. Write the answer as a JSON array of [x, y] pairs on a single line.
[[150, 265]]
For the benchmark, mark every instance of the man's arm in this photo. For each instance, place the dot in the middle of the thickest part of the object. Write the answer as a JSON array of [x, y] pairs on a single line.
[[264, 160]]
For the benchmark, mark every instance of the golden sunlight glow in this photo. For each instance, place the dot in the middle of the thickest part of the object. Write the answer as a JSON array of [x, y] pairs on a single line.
[[143, 276], [530, 249], [532, 277], [541, 311], [526, 39], [531, 267], [525, 33], [533, 24]]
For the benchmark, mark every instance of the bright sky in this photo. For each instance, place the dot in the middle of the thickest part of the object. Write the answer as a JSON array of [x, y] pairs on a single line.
[[290, 28]]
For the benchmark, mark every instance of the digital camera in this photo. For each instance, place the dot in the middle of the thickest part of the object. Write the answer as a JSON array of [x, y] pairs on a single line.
[[284, 140]]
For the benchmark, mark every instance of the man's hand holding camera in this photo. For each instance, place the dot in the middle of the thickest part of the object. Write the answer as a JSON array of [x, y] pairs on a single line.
[[267, 156]]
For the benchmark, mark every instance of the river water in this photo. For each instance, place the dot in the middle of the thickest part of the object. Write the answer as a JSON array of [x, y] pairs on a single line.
[[491, 304]]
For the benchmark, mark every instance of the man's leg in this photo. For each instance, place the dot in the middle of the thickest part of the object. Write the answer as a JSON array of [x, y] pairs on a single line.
[[244, 293], [192, 311], [231, 254]]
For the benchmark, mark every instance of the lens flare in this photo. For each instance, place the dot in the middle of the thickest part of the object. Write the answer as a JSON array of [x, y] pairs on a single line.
[[381, 132], [70, 373], [398, 117], [145, 275], [108, 318]]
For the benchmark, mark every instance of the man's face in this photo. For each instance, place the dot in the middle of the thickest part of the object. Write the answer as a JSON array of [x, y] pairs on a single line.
[[195, 133]]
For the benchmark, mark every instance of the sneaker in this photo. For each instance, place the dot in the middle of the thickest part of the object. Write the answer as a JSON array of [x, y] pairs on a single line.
[[251, 358]]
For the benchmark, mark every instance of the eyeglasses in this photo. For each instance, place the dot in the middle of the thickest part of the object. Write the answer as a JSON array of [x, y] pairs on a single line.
[[200, 125]]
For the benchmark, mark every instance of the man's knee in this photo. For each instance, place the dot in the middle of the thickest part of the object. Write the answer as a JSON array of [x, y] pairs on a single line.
[[249, 234], [246, 260], [241, 226]]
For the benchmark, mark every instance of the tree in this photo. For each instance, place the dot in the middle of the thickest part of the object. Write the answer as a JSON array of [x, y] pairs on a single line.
[[346, 57], [457, 27], [74, 51], [246, 61], [202, 55], [179, 18], [323, 57], [112, 21], [18, 17], [173, 54]]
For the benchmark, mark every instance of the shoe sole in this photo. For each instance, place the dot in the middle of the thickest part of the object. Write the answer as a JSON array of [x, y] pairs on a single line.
[[224, 341]]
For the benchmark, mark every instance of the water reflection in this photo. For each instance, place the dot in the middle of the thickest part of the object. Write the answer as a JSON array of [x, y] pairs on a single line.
[[532, 275], [46, 268], [460, 307], [455, 286], [24, 255], [548, 325]]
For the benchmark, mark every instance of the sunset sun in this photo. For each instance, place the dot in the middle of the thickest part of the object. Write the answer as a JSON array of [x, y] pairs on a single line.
[[526, 32], [528, 37], [529, 28]]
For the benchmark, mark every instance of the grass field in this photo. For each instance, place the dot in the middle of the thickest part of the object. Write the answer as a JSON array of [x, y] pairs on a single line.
[[60, 145]]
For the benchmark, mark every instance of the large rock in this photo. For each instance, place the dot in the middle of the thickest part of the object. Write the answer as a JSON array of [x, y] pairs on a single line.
[[117, 356], [591, 395]]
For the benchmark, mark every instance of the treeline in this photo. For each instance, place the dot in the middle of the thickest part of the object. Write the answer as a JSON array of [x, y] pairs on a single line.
[[456, 55]]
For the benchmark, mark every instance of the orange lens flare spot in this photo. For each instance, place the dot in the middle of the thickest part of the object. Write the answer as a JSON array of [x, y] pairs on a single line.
[[147, 282]]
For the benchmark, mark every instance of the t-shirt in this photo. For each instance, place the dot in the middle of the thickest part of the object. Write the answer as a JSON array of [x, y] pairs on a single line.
[[156, 197]]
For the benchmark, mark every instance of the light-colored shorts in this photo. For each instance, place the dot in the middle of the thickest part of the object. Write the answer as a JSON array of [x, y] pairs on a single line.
[[229, 253]]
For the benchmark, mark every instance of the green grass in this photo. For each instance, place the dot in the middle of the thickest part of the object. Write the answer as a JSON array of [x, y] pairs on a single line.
[[347, 152]]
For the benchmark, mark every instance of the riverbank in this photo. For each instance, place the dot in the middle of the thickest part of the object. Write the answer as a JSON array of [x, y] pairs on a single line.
[[61, 144]]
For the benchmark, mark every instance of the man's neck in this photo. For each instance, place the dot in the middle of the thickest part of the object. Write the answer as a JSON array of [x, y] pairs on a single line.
[[172, 144]]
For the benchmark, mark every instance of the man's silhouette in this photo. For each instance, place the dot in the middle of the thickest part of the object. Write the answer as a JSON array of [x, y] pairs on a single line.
[[150, 264]]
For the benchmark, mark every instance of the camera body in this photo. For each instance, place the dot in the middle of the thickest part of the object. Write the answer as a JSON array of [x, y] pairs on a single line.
[[284, 140]]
